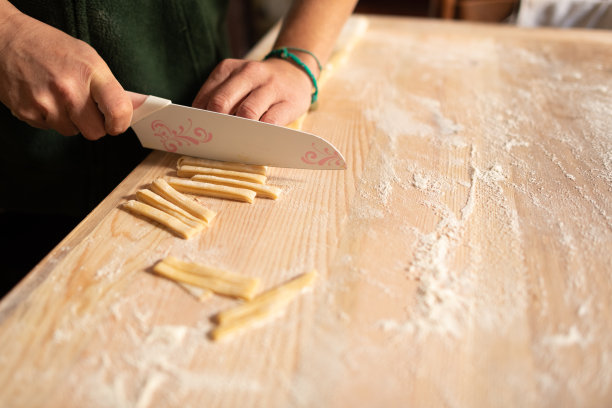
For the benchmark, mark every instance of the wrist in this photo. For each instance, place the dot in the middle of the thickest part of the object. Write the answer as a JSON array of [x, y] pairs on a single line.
[[288, 54], [309, 60]]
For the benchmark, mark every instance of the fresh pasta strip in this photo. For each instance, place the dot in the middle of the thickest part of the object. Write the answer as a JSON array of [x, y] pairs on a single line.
[[265, 305], [190, 171], [247, 168], [152, 199], [199, 293], [161, 187], [152, 213], [260, 189], [250, 284], [212, 190], [217, 284]]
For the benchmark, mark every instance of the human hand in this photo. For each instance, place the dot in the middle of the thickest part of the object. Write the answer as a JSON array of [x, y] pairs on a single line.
[[51, 80], [273, 91]]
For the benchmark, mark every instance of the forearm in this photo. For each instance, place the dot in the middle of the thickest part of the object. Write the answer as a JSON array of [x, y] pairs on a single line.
[[313, 25]]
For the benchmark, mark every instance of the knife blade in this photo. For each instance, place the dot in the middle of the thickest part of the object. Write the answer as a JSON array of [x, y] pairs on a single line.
[[162, 125]]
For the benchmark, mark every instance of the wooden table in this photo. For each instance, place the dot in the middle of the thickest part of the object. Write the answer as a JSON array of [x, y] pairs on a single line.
[[465, 254]]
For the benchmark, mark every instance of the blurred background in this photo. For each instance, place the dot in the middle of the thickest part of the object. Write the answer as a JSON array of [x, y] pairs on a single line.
[[251, 19], [256, 17]]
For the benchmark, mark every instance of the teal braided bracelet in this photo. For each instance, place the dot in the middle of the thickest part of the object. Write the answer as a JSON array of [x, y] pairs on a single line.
[[284, 53]]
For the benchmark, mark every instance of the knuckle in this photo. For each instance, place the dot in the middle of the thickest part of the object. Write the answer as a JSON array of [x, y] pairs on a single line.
[[119, 115], [67, 93], [35, 113], [219, 103], [25, 114], [222, 70], [253, 69], [273, 118], [247, 110], [120, 109]]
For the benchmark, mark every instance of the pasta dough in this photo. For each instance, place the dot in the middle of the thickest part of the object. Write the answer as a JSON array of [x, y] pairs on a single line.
[[190, 171], [216, 280], [212, 190], [246, 168], [261, 307], [161, 187], [176, 226], [260, 189]]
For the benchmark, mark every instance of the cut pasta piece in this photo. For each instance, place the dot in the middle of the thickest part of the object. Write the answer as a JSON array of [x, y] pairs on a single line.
[[261, 189], [152, 199], [212, 190], [203, 270], [217, 284], [199, 293], [247, 168], [190, 171], [176, 226], [161, 187], [261, 307]]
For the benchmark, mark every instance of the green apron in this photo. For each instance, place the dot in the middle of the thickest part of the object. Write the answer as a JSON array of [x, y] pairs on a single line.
[[160, 47]]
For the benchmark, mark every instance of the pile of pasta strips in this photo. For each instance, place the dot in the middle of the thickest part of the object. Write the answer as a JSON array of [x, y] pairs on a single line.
[[165, 204]]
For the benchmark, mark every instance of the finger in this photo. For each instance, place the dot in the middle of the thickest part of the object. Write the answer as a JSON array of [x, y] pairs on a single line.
[[65, 128], [114, 103], [137, 99], [50, 115], [280, 114], [88, 119], [219, 75], [227, 96], [31, 117], [60, 124], [256, 103]]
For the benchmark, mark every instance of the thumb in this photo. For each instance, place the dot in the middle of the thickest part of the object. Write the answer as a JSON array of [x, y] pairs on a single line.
[[114, 103]]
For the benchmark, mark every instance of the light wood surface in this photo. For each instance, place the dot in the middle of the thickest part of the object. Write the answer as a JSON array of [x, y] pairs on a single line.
[[465, 255]]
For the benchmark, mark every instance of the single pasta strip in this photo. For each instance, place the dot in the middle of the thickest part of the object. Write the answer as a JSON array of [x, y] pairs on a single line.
[[161, 187], [199, 293], [212, 190], [152, 199], [190, 171], [217, 285], [247, 168], [260, 189], [202, 270], [261, 307], [152, 213]]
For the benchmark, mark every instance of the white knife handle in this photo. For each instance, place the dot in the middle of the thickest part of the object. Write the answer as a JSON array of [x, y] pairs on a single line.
[[150, 105]]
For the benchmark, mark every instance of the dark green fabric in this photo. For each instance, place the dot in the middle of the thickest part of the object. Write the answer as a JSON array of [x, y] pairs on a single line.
[[160, 47]]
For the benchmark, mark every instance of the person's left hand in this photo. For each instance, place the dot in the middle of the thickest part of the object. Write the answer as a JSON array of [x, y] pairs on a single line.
[[273, 91]]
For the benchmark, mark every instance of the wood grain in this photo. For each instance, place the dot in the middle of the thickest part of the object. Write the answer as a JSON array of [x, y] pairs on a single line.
[[464, 255]]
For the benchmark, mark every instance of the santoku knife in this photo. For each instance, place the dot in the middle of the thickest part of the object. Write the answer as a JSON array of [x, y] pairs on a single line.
[[162, 125]]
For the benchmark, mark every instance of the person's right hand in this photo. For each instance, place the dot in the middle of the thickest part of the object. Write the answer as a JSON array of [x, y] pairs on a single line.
[[51, 80]]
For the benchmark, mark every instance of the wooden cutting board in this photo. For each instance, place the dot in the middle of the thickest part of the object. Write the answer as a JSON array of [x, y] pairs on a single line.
[[465, 254]]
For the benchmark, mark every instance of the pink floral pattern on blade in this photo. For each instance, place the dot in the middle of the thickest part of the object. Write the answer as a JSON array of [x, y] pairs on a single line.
[[173, 139], [322, 157]]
